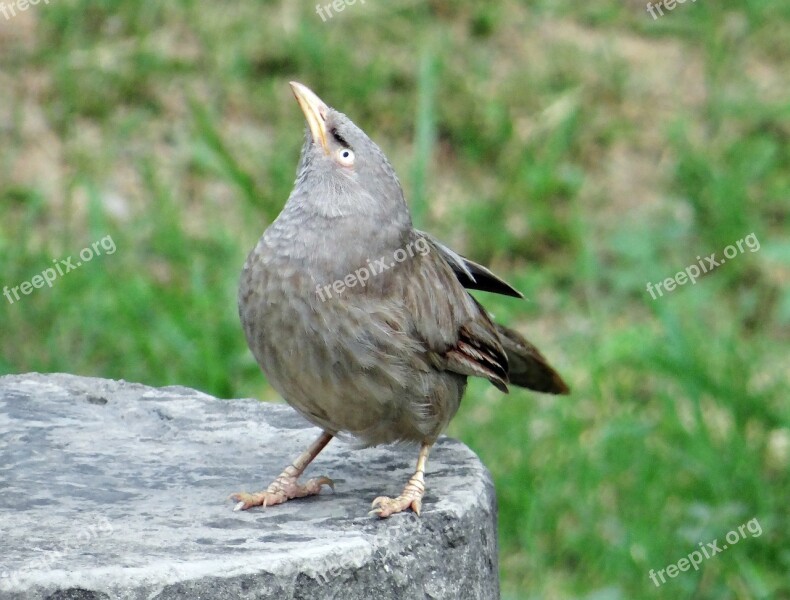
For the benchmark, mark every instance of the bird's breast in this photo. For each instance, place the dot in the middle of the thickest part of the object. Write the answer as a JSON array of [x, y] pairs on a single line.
[[335, 344]]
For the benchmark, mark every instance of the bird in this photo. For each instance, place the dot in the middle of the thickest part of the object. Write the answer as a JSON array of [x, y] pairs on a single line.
[[361, 322]]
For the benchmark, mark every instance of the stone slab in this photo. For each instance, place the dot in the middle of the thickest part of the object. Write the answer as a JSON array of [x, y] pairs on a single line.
[[116, 490]]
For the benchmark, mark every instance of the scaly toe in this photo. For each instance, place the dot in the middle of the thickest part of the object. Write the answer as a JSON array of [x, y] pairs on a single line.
[[282, 490], [246, 500], [383, 506], [316, 483]]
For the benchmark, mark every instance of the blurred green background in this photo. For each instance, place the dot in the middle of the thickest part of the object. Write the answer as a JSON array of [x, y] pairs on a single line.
[[580, 149]]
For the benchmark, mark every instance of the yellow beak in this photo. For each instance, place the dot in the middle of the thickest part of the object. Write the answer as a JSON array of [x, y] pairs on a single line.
[[315, 111]]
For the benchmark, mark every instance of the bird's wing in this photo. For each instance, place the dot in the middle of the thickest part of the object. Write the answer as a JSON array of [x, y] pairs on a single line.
[[456, 331], [524, 365], [472, 276]]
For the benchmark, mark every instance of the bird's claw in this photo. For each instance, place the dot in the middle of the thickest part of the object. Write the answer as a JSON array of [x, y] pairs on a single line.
[[384, 506], [282, 489]]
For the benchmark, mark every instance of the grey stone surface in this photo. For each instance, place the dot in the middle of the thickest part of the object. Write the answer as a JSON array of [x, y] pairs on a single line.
[[115, 490]]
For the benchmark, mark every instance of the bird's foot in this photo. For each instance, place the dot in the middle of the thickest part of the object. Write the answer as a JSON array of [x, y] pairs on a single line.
[[284, 488], [411, 497]]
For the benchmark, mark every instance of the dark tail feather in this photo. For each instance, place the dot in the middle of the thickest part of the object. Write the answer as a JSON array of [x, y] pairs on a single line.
[[527, 367]]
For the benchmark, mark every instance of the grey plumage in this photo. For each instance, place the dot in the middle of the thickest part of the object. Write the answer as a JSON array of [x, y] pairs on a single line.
[[385, 359]]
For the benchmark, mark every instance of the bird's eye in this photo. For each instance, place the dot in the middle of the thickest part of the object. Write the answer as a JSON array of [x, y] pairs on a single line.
[[345, 156]]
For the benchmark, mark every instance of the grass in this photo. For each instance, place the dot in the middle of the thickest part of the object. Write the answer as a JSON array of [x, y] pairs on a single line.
[[581, 150]]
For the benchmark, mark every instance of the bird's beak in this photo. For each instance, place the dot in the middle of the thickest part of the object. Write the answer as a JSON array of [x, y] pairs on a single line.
[[315, 111]]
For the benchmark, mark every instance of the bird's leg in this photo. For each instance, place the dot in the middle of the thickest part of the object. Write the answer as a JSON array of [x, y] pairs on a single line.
[[286, 486], [411, 496]]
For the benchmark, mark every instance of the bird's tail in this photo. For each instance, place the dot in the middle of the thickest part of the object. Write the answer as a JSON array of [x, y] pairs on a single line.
[[527, 367]]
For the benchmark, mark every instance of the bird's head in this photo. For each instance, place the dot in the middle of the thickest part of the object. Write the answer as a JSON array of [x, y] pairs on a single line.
[[341, 168]]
